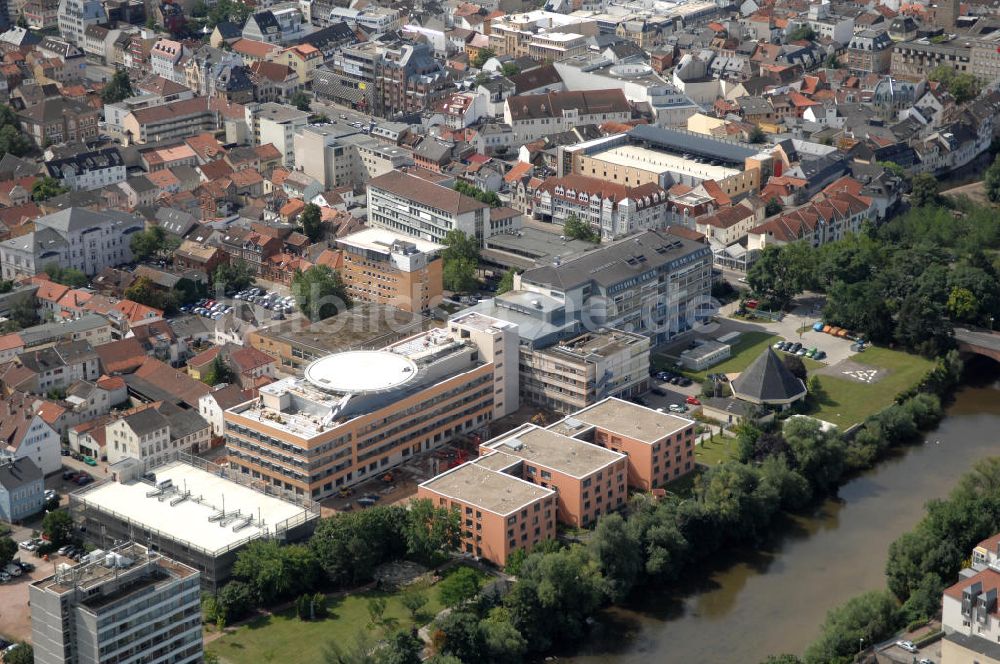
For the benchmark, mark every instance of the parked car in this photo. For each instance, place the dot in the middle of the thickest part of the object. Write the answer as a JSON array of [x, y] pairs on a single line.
[[693, 401], [907, 646], [685, 381], [90, 461], [27, 567], [925, 660], [796, 347], [820, 355], [778, 344], [659, 391], [676, 408]]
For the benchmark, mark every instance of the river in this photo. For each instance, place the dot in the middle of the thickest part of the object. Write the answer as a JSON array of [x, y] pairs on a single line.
[[752, 604]]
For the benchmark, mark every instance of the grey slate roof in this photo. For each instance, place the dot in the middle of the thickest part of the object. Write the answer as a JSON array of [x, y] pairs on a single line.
[[695, 144], [768, 380], [18, 473], [614, 263]]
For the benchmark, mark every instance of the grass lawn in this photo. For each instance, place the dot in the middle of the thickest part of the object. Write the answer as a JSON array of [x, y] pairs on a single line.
[[713, 452], [282, 637], [845, 402], [745, 351]]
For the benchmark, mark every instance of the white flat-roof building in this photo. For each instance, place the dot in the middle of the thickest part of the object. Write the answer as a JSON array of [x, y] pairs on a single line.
[[201, 515]]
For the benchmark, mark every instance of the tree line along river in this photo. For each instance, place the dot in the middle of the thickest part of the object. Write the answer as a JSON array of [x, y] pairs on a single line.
[[773, 599]]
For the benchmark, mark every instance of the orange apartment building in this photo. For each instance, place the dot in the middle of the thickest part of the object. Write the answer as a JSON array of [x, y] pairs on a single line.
[[357, 414], [589, 480], [584, 463], [500, 513], [659, 446], [383, 267]]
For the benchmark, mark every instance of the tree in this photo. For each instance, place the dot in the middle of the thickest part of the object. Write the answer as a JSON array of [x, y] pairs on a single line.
[[781, 273], [148, 243], [506, 281], [219, 373], [992, 181], [23, 654], [401, 648], [235, 601], [118, 88], [462, 636], [867, 618], [773, 207], [45, 188], [143, 291], [228, 10], [459, 586], [482, 57], [8, 549], [924, 190], [67, 276], [277, 571], [555, 595], [756, 135], [300, 100], [577, 229], [618, 553], [431, 532], [312, 222], [461, 259], [57, 527], [802, 33], [23, 313], [502, 641], [962, 304], [320, 292], [232, 277], [510, 69], [795, 364], [817, 454], [413, 601], [12, 139], [349, 546]]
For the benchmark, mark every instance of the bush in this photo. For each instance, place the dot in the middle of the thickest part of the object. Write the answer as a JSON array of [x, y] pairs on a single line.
[[459, 586]]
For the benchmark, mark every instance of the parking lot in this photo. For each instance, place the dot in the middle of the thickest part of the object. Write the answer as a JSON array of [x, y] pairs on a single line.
[[929, 653]]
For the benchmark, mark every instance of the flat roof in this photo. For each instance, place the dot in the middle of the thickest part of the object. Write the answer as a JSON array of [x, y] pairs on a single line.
[[486, 489], [187, 521], [554, 450], [635, 156], [381, 239], [630, 419], [363, 325], [359, 371]]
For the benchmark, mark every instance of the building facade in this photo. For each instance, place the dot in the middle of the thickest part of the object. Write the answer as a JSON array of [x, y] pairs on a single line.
[[385, 268], [357, 414], [76, 237], [129, 604]]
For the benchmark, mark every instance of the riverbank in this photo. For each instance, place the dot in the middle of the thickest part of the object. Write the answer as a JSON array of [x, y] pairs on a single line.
[[773, 598]]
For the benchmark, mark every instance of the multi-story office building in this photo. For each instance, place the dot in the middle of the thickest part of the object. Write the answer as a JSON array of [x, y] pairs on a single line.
[[76, 237], [177, 119], [345, 156], [126, 605], [408, 80], [357, 414], [914, 60], [580, 371], [385, 268], [413, 206], [653, 283], [529, 33], [276, 124], [192, 510]]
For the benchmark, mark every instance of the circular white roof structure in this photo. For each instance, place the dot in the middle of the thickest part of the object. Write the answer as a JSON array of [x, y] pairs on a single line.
[[360, 371]]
